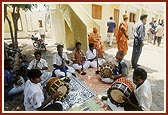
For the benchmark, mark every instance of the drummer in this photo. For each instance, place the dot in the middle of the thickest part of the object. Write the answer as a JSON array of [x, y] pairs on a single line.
[[141, 98], [122, 68], [34, 99]]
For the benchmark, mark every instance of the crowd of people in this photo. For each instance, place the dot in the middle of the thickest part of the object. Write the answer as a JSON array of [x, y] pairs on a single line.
[[34, 86]]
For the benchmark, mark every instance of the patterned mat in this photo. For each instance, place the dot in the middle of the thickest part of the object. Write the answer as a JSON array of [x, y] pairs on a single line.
[[93, 81], [78, 93]]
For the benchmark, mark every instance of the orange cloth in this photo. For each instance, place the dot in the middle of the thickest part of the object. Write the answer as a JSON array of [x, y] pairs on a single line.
[[95, 38], [121, 40], [78, 56]]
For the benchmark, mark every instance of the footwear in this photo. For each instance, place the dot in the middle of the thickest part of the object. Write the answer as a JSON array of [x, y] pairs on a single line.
[[83, 73], [103, 98]]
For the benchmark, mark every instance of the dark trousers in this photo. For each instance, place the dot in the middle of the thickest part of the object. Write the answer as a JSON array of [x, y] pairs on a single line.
[[137, 49], [159, 40]]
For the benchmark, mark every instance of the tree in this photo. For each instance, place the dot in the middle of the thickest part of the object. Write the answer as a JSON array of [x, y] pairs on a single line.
[[15, 17]]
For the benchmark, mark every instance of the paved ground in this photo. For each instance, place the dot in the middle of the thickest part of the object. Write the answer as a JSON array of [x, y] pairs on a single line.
[[152, 60]]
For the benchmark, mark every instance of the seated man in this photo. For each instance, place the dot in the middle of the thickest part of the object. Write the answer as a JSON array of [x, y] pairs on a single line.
[[122, 67], [59, 62], [12, 84], [79, 59], [40, 64], [34, 99], [141, 98], [91, 56]]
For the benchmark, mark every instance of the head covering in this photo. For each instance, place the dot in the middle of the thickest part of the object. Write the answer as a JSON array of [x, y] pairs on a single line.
[[125, 16], [143, 16], [94, 28]]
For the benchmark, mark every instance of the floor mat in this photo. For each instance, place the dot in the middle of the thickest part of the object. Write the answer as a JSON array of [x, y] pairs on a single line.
[[92, 104], [93, 81], [78, 93]]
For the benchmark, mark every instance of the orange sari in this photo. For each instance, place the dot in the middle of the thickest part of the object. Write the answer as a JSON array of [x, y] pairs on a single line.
[[95, 38], [121, 40]]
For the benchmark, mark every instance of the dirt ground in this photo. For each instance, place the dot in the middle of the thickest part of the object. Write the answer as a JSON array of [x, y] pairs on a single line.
[[157, 78]]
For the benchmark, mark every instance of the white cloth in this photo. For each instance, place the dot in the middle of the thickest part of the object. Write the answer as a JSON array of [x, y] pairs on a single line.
[[58, 60], [91, 55], [33, 96], [107, 80], [110, 38], [59, 73], [144, 95], [159, 31], [45, 77], [86, 65], [17, 88], [42, 63], [114, 107]]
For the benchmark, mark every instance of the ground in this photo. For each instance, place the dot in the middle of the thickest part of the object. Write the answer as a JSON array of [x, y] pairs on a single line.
[[152, 60]]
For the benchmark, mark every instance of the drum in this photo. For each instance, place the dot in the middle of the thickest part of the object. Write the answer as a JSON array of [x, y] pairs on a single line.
[[56, 84], [120, 88], [107, 69]]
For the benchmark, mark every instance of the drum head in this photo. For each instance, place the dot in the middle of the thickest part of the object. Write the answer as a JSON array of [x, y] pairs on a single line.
[[63, 90], [117, 95]]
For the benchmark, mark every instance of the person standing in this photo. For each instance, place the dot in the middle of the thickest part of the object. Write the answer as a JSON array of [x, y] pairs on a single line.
[[139, 34], [111, 24], [122, 37], [159, 33]]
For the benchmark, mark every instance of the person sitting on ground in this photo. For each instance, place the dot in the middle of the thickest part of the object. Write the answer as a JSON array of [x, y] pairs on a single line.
[[13, 84], [34, 99], [91, 55], [141, 98], [60, 59], [122, 68], [79, 59], [40, 64], [96, 39]]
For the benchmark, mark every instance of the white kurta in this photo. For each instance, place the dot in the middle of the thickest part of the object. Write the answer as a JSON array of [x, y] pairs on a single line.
[[92, 55], [144, 95], [42, 63], [58, 61]]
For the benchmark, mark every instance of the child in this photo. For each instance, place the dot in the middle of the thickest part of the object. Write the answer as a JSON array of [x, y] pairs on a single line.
[[34, 97], [142, 92], [122, 66], [40, 64]]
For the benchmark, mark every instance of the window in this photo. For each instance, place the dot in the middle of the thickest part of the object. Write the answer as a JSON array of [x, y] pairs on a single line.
[[132, 17], [96, 11]]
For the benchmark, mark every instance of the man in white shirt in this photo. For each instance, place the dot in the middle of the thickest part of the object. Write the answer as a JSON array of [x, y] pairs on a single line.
[[91, 55], [142, 93], [60, 59], [41, 64], [34, 99]]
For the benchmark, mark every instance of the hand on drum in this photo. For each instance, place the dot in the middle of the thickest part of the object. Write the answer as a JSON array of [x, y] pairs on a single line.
[[126, 99], [56, 94]]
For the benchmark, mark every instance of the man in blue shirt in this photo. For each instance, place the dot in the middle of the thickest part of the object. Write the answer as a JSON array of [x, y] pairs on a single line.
[[111, 24], [139, 34], [12, 84]]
